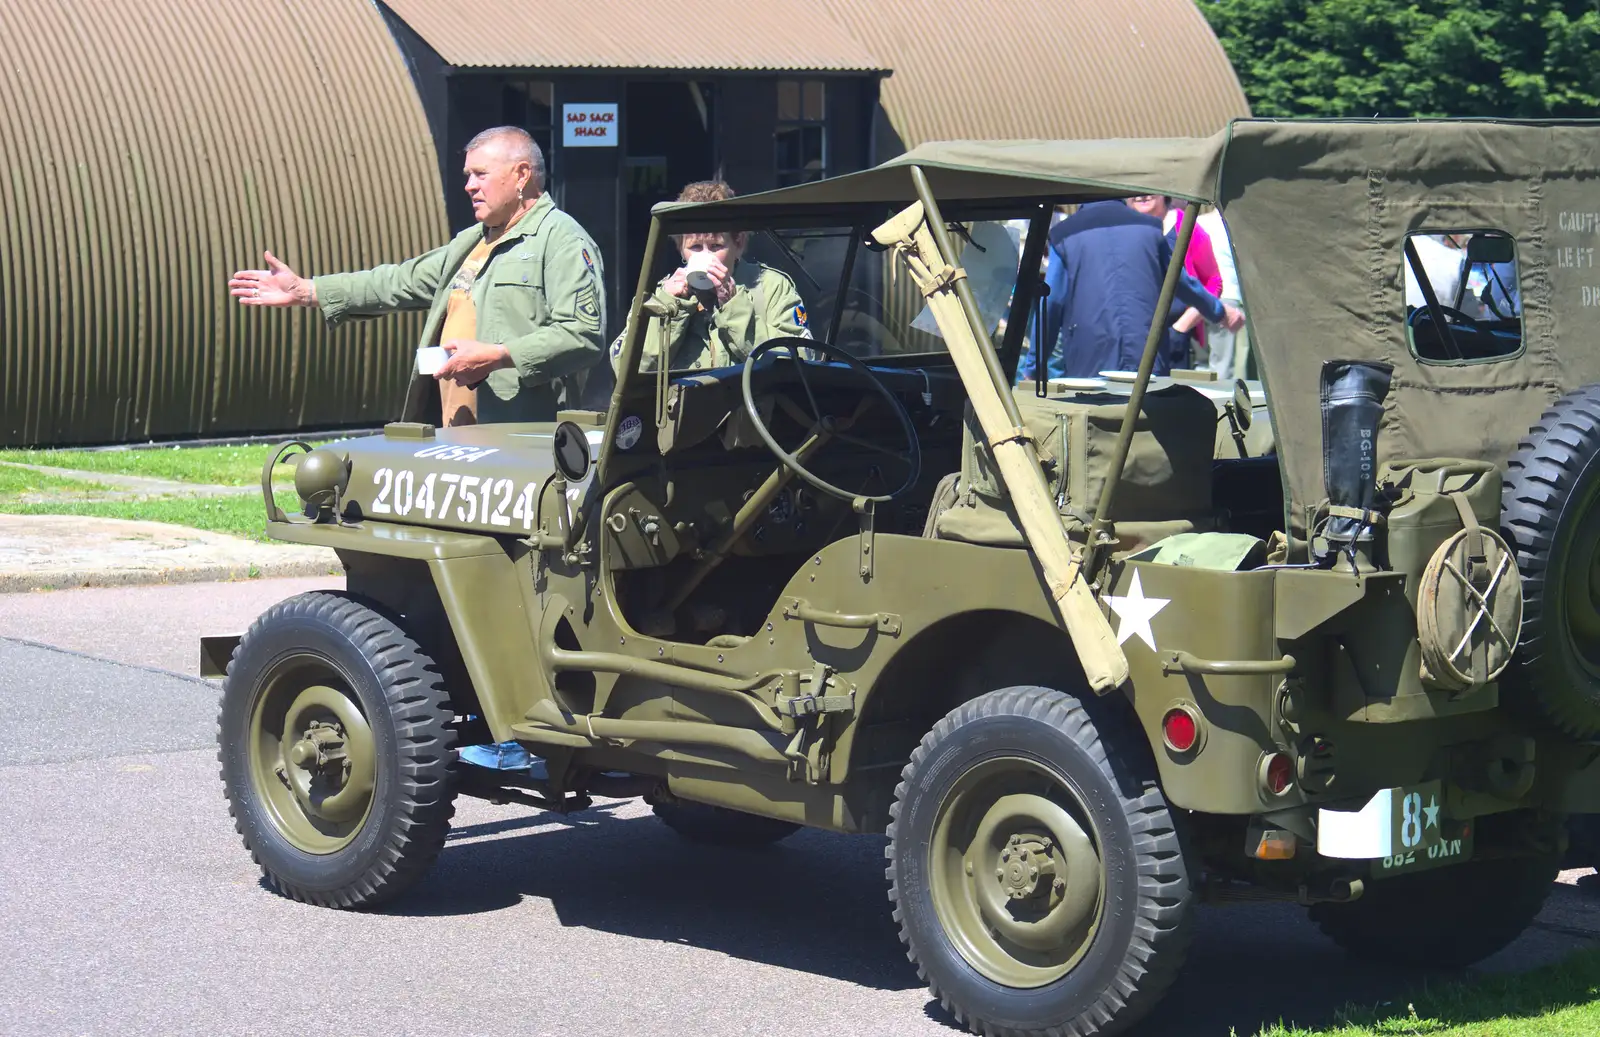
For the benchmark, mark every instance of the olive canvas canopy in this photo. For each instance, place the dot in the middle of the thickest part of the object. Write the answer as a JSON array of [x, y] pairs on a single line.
[[997, 174], [1319, 213]]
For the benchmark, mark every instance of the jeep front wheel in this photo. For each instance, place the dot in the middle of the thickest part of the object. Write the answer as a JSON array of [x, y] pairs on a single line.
[[335, 752], [1035, 867]]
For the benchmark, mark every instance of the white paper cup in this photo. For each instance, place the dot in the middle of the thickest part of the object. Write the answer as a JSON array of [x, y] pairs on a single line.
[[430, 359], [695, 271]]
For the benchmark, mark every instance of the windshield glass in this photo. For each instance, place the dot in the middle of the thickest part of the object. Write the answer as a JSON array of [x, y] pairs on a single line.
[[822, 283]]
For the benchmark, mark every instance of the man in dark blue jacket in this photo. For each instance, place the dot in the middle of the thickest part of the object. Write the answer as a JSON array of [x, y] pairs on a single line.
[[1107, 263]]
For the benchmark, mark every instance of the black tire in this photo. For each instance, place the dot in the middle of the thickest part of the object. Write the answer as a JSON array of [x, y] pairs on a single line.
[[353, 666], [1445, 918], [1088, 760], [719, 826], [1550, 511], [1583, 850]]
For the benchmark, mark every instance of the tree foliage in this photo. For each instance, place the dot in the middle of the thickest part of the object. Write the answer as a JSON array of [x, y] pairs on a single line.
[[1363, 58]]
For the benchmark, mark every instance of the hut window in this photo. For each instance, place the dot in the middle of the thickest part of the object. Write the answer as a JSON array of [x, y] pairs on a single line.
[[802, 153], [530, 104], [1463, 297]]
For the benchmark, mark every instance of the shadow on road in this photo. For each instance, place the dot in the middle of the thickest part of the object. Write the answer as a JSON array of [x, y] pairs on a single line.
[[816, 903]]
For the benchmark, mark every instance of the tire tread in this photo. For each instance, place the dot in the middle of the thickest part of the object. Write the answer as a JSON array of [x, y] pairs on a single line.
[[1550, 464], [421, 714], [1163, 926]]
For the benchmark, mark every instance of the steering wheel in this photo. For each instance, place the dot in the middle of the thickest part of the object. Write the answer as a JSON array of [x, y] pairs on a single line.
[[827, 424], [1452, 316]]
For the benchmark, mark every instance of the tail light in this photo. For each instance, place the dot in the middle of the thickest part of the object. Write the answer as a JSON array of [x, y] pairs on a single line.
[[1180, 729], [1277, 773]]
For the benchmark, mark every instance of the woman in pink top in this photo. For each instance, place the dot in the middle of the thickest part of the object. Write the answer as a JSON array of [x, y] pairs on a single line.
[[1200, 261]]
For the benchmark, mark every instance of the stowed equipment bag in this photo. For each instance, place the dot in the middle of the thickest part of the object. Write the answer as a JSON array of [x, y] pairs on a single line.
[[1165, 488]]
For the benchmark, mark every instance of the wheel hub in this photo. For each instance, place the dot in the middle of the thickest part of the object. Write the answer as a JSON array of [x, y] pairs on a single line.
[[1027, 868], [314, 756], [320, 749], [1017, 878]]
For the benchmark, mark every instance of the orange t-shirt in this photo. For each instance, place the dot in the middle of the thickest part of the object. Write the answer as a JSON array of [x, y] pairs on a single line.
[[459, 402]]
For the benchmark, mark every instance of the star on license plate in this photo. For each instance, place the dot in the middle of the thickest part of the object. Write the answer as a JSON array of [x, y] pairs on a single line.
[[1397, 821]]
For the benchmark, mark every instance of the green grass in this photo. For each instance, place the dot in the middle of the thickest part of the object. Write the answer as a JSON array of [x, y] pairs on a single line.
[[1560, 1000], [239, 515], [217, 465]]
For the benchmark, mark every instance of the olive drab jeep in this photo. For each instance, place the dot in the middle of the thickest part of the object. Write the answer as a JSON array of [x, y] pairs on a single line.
[[1088, 652]]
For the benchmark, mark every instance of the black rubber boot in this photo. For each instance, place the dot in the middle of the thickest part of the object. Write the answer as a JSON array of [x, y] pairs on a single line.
[[1352, 405]]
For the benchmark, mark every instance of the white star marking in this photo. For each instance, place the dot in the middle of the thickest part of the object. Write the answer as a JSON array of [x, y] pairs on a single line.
[[1432, 810], [1135, 610]]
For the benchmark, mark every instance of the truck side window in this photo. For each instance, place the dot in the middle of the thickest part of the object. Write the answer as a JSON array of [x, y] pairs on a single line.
[[1463, 298]]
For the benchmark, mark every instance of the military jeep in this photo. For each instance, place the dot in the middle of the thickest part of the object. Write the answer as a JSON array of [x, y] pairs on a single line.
[[1087, 653]]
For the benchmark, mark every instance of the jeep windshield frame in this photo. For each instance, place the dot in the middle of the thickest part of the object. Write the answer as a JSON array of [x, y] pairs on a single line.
[[958, 192]]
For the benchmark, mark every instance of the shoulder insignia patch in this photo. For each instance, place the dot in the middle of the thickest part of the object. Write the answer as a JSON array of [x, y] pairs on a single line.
[[800, 315], [588, 260], [616, 346], [588, 308]]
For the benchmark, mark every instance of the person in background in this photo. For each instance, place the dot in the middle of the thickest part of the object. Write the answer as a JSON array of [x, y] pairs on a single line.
[[515, 300], [746, 304], [1187, 335], [1107, 264], [1106, 272], [1228, 351]]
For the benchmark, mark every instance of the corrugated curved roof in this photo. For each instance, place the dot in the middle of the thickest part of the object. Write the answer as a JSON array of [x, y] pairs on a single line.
[[771, 35], [1057, 70], [150, 148]]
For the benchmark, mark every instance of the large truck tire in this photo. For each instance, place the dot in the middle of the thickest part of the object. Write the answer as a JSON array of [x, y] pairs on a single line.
[[1583, 850], [719, 826], [1444, 918], [1036, 869], [336, 756], [1550, 513]]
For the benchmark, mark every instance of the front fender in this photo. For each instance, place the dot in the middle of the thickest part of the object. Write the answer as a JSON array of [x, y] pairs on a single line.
[[479, 581]]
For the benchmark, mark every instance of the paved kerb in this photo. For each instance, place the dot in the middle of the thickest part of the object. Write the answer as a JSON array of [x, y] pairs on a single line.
[[49, 552]]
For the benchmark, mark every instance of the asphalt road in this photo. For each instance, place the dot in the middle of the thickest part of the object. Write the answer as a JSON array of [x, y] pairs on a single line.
[[128, 906]]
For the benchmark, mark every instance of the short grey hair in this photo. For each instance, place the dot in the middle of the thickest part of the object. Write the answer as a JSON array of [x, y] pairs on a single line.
[[519, 145]]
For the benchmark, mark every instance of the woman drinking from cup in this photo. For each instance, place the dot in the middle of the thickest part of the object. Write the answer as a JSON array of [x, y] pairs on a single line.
[[719, 305]]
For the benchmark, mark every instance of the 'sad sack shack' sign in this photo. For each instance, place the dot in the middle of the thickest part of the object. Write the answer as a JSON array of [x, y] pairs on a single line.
[[589, 125]]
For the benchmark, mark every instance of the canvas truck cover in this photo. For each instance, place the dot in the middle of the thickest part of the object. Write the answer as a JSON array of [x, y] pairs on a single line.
[[1318, 212]]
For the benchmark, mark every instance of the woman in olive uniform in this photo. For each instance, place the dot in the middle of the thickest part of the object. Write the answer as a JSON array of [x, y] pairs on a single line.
[[747, 304]]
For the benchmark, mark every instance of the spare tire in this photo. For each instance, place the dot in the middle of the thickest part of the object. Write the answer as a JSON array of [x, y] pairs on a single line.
[[1550, 512]]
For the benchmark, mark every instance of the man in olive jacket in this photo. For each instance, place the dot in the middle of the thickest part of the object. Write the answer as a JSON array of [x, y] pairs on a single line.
[[515, 301]]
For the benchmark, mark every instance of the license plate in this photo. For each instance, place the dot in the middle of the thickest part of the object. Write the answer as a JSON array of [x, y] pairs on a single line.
[[1395, 822], [1453, 847]]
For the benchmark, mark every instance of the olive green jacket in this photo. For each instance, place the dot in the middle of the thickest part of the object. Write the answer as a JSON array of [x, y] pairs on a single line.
[[764, 305], [539, 295]]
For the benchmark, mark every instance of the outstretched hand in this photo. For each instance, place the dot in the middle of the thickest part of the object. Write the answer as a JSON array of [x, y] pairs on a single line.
[[275, 286]]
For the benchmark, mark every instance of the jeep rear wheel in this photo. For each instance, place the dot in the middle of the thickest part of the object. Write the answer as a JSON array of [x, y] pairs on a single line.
[[718, 826], [1550, 508], [1035, 867], [1584, 849], [1449, 917], [335, 752]]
